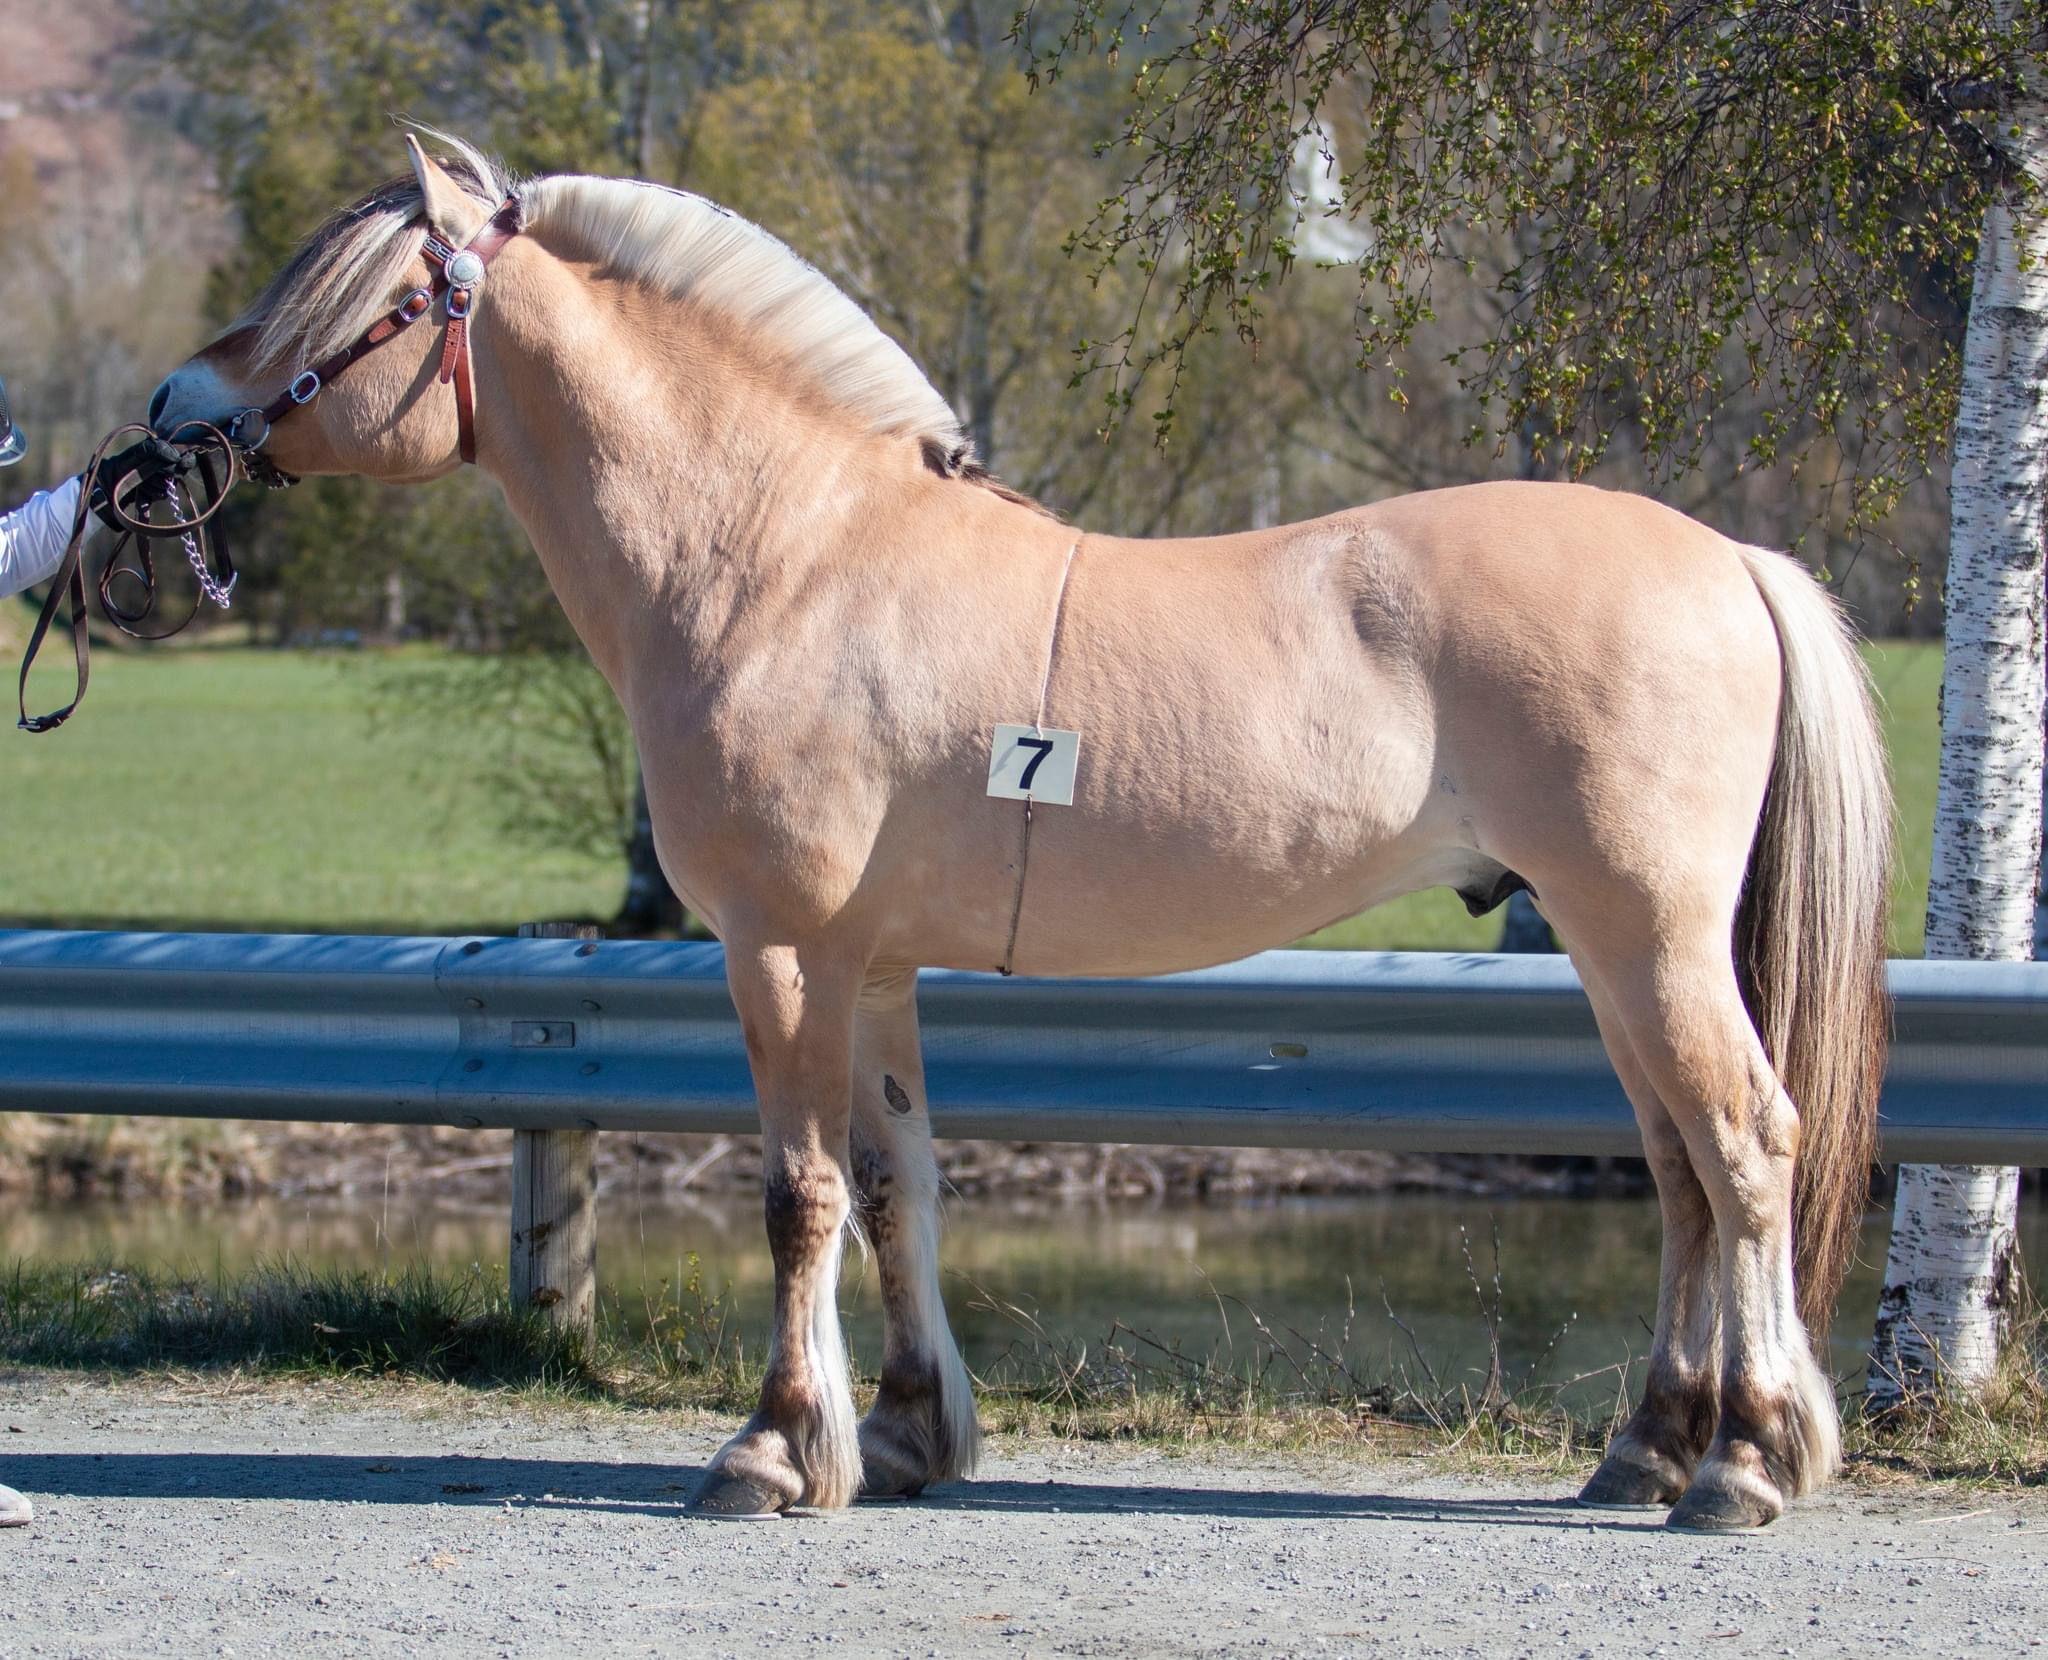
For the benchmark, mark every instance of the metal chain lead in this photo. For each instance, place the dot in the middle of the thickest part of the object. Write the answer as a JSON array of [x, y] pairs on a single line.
[[221, 595]]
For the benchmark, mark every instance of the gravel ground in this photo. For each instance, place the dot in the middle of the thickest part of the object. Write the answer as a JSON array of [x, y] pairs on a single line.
[[347, 1521]]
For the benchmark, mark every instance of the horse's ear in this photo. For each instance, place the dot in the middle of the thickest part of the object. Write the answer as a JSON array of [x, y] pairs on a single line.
[[454, 215]]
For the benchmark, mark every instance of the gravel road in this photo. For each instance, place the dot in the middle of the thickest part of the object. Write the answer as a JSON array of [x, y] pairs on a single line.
[[339, 1521]]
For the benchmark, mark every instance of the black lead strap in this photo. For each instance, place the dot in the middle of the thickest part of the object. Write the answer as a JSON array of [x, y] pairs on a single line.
[[70, 577]]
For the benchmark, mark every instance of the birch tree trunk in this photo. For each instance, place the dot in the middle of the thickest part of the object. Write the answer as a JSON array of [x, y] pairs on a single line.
[[1951, 1273]]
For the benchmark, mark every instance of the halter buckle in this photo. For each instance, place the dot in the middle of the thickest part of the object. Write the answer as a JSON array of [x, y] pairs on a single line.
[[305, 386], [460, 300], [416, 304]]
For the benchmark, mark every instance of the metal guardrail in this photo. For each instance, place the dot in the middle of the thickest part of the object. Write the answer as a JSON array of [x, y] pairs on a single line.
[[1417, 1052]]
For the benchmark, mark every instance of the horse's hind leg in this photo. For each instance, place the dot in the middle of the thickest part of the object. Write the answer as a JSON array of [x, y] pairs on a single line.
[[922, 1429], [800, 1446], [1650, 1461], [1670, 976]]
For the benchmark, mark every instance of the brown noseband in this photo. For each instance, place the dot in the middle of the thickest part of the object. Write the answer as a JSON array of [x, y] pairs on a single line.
[[459, 274]]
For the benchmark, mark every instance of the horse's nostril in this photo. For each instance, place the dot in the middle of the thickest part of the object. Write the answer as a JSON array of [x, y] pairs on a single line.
[[156, 404]]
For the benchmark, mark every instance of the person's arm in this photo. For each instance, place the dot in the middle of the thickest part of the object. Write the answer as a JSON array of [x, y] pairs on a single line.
[[34, 536]]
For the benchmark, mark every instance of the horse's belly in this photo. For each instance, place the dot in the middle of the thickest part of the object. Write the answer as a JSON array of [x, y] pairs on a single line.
[[1149, 880], [1197, 835], [1145, 917]]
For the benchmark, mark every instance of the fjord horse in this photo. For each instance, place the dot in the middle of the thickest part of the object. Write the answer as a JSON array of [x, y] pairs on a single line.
[[891, 714]]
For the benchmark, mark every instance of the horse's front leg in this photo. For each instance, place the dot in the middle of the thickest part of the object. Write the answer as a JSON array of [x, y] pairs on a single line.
[[922, 1429], [800, 1447]]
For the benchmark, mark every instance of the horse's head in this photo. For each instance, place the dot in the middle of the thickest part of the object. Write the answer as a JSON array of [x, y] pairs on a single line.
[[388, 417]]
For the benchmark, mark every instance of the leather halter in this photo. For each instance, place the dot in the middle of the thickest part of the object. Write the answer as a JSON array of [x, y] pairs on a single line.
[[459, 274]]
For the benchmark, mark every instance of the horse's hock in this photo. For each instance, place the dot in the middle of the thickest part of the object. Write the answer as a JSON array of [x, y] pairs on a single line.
[[554, 1204]]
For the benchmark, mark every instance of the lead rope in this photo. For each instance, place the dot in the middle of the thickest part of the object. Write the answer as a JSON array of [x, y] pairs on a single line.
[[1052, 646]]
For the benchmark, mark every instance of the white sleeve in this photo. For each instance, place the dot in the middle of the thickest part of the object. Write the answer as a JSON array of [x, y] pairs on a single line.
[[34, 536]]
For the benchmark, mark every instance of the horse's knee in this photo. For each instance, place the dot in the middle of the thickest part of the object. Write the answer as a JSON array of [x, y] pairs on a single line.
[[806, 1204]]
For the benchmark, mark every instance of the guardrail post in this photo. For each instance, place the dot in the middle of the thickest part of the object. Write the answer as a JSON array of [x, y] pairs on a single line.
[[554, 1204]]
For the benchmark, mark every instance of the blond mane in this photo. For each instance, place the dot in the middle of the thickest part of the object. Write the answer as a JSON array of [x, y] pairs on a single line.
[[678, 244]]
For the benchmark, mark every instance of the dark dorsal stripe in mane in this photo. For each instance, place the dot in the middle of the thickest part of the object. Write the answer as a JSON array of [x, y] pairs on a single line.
[[958, 461]]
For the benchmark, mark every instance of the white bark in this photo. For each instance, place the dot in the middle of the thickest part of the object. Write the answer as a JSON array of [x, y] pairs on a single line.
[[1951, 1279], [2041, 904], [1951, 1271]]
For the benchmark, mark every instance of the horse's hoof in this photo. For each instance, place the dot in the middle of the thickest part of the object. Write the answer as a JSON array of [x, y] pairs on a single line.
[[725, 1498], [1712, 1506], [15, 1511], [883, 1477], [881, 1482], [1619, 1485]]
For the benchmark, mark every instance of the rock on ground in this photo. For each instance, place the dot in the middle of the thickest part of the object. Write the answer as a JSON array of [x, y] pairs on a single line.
[[333, 1522]]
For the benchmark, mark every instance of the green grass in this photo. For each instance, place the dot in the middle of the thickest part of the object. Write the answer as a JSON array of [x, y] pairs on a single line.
[[288, 1323], [236, 789], [1908, 678], [284, 1321], [220, 788]]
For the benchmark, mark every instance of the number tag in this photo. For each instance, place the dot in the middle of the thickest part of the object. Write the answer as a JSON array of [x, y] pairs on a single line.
[[1031, 763]]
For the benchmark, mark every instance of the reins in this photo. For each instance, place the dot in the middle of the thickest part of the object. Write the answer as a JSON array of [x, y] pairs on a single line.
[[128, 503]]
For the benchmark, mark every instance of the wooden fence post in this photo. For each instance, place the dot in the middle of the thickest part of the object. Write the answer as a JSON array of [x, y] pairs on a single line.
[[554, 1204]]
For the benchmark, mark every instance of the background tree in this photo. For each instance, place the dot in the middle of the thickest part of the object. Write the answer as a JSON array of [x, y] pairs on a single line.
[[1952, 1273], [1698, 201], [296, 104]]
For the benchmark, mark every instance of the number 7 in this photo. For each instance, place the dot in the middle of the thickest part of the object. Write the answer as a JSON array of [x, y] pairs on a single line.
[[1044, 747]]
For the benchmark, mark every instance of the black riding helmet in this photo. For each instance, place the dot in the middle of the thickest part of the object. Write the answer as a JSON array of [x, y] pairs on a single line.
[[12, 445]]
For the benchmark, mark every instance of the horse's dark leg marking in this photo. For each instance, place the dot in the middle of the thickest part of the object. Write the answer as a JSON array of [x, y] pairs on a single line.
[[1692, 1039], [791, 1451], [902, 1439], [1779, 1430], [1652, 1457]]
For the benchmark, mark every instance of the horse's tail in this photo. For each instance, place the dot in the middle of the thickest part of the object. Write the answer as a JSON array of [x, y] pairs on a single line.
[[1810, 931]]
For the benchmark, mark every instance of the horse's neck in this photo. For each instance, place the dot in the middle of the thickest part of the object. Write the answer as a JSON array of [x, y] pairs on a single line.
[[667, 500]]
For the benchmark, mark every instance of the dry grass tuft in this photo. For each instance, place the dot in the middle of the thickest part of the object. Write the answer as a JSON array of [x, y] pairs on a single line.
[[1996, 1438]]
